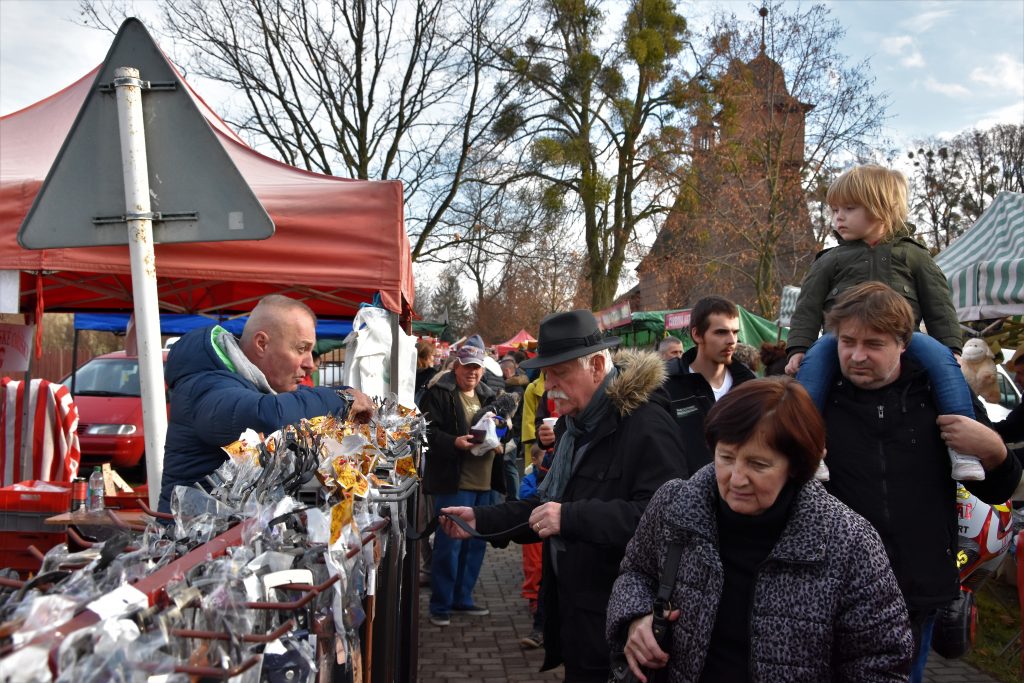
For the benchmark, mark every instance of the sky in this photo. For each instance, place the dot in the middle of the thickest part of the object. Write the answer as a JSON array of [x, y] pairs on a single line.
[[947, 65]]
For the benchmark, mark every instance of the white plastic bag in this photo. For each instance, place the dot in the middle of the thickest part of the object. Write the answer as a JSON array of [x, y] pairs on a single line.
[[491, 441], [368, 356]]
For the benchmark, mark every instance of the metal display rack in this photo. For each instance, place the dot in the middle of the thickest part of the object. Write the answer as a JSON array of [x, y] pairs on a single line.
[[387, 635]]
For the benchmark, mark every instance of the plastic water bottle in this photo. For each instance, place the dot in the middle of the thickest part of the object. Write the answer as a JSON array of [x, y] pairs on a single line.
[[95, 498]]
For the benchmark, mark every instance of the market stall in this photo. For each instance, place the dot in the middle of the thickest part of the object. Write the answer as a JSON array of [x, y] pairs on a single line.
[[187, 588], [521, 341], [985, 265]]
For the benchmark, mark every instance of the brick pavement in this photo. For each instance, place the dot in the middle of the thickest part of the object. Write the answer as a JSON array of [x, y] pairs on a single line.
[[486, 649]]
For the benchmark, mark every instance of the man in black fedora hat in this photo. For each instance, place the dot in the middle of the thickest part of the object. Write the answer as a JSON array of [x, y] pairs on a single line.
[[616, 444]]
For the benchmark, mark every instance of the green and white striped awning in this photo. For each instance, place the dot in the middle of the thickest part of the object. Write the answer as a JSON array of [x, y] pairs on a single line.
[[985, 265]]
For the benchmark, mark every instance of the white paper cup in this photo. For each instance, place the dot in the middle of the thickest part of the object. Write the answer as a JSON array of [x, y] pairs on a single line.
[[550, 421]]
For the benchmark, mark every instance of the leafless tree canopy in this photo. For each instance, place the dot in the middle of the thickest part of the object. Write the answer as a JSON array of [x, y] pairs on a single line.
[[955, 180], [368, 89], [768, 164]]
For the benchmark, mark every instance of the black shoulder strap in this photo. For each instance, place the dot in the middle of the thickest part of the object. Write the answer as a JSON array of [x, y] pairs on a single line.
[[668, 572]]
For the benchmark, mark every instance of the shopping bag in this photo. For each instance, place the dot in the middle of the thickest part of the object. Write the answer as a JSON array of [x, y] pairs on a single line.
[[487, 429]]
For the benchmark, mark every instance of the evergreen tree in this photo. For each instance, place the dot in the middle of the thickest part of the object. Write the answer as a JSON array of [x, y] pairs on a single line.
[[448, 303]]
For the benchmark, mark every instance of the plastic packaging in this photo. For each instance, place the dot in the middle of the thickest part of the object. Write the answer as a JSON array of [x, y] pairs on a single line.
[[95, 496]]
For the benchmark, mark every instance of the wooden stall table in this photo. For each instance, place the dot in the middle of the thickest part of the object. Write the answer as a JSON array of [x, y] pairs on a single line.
[[86, 528], [130, 518]]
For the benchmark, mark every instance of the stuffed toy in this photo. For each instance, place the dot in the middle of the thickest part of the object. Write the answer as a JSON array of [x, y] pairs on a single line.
[[979, 368]]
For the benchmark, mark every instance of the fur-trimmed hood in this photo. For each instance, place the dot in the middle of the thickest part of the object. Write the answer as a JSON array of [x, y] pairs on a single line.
[[640, 375]]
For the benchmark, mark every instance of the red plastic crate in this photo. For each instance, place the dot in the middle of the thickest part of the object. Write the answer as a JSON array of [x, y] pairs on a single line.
[[14, 551], [48, 502]]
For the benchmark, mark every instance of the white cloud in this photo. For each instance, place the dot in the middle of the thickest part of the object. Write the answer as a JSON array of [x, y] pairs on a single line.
[[919, 23], [1006, 74], [948, 89], [904, 48], [894, 45], [915, 60], [1013, 113]]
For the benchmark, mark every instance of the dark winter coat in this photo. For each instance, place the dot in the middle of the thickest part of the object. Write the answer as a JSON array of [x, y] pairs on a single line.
[[632, 453], [903, 264], [1011, 428], [211, 406], [692, 398], [517, 384], [888, 462], [825, 605], [423, 377], [446, 421]]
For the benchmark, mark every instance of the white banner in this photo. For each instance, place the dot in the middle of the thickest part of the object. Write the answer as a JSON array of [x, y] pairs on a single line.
[[15, 347], [10, 281]]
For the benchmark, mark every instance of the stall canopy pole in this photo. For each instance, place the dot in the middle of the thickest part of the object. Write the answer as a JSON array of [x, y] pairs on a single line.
[[143, 264]]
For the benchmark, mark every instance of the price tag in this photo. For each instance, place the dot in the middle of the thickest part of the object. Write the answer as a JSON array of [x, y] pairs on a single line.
[[119, 601]]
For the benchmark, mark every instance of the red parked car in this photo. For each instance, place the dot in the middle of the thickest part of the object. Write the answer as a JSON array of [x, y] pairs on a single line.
[[108, 396]]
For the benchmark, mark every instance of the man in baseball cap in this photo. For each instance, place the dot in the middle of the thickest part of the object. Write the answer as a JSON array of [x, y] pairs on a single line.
[[455, 476]]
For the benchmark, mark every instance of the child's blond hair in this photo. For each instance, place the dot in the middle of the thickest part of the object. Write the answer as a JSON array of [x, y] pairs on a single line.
[[882, 192]]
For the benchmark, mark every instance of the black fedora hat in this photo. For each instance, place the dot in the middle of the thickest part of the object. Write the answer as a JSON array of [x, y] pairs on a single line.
[[564, 336]]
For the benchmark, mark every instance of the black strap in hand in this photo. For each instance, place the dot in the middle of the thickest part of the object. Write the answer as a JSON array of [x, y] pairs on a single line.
[[660, 624], [413, 535], [668, 572]]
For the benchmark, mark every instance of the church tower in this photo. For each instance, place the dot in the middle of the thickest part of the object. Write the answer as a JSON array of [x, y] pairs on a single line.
[[740, 226]]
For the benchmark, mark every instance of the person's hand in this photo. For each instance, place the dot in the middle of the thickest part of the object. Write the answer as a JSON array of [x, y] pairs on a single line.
[[362, 407], [546, 519], [794, 364], [464, 442], [642, 650], [451, 528], [545, 435], [970, 437]]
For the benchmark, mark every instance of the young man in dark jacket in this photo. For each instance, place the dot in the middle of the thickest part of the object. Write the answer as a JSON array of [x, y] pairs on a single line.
[[616, 444], [705, 373], [886, 452]]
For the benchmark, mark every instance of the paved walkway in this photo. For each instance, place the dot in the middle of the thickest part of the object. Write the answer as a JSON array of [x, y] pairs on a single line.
[[486, 649]]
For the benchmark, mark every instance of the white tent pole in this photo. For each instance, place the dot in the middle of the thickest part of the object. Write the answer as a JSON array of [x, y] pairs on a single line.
[[143, 264]]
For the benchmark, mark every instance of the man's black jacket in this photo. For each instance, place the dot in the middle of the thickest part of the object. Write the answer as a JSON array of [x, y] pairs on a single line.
[[888, 462]]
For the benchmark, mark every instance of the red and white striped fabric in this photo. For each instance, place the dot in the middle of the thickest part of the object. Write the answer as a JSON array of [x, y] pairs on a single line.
[[54, 436]]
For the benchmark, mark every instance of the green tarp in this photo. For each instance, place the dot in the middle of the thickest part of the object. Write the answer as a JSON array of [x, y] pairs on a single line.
[[440, 331], [647, 328]]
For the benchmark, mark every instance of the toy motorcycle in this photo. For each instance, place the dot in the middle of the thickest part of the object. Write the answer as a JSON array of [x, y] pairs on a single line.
[[986, 532]]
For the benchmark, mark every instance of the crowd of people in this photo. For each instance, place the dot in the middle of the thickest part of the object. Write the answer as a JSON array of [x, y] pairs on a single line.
[[677, 516], [679, 513]]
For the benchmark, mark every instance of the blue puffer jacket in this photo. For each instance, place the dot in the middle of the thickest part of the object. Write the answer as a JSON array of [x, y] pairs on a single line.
[[211, 406]]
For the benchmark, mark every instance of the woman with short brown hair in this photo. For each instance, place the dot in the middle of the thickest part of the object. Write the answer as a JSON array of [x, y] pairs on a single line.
[[777, 580]]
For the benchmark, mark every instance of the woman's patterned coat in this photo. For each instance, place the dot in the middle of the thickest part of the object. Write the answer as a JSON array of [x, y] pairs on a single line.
[[826, 605]]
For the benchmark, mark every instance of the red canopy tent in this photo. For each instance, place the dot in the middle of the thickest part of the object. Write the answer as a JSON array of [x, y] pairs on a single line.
[[337, 243], [522, 339]]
